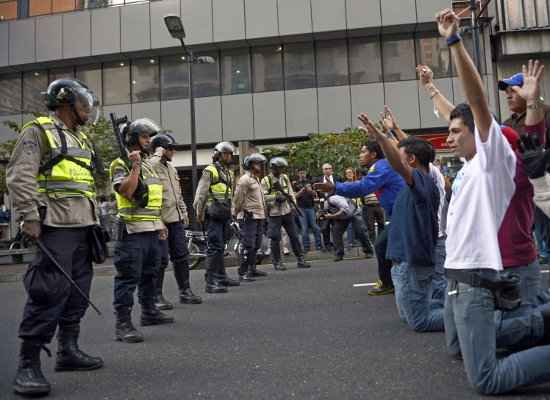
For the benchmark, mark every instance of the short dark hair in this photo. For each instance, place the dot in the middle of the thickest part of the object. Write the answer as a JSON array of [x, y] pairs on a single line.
[[464, 112], [420, 148], [374, 147]]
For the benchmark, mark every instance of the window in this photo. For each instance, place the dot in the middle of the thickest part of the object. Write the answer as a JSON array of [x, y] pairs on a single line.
[[399, 61], [364, 58], [434, 53], [40, 7], [469, 44], [8, 10], [145, 80], [116, 83], [267, 66], [10, 94], [34, 85], [299, 66], [174, 79], [64, 5], [61, 73], [236, 71], [91, 76], [206, 78], [332, 63]]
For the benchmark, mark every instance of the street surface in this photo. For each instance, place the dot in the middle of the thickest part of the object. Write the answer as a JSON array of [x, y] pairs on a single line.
[[299, 334]]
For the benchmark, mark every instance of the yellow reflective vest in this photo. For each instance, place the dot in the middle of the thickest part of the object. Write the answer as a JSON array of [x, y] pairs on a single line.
[[220, 188], [129, 210], [68, 172]]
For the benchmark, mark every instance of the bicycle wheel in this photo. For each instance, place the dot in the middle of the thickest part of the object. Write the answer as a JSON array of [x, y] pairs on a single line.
[[195, 255]]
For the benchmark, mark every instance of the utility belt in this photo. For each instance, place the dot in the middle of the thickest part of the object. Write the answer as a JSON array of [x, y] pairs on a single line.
[[505, 286]]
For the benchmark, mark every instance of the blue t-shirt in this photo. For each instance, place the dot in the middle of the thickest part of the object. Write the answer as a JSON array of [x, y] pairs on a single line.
[[381, 178], [414, 227]]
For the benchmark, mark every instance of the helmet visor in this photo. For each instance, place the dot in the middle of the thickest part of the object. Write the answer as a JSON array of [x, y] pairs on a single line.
[[86, 105]]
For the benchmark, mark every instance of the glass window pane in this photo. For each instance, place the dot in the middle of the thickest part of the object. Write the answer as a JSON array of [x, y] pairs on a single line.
[[40, 7], [8, 10], [116, 83], [299, 66], [514, 12], [267, 63], [91, 76], [10, 94], [399, 61], [206, 77], [468, 43], [61, 73], [174, 78], [364, 59], [332, 63], [236, 71], [34, 85], [145, 80], [434, 53]]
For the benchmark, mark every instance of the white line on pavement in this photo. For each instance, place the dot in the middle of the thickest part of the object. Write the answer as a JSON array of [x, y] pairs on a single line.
[[364, 284]]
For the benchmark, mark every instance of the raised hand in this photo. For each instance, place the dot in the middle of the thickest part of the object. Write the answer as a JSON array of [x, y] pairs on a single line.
[[447, 23], [373, 132], [425, 74], [532, 76], [535, 159], [388, 119]]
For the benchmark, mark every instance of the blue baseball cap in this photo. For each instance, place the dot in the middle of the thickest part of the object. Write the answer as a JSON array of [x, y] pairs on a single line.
[[514, 80]]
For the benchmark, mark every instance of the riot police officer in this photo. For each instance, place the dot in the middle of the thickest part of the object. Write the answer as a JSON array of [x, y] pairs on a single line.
[[50, 179], [174, 216], [138, 192], [281, 205], [213, 206], [249, 209]]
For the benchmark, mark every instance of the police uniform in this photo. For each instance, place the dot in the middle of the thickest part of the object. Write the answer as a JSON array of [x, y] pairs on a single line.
[[137, 252], [280, 215], [216, 184], [49, 178], [249, 208], [174, 216]]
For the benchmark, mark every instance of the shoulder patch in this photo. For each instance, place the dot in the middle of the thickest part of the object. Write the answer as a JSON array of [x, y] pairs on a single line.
[[372, 169]]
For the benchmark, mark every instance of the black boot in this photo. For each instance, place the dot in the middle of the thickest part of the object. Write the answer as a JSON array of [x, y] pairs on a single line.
[[215, 285], [160, 302], [301, 263], [257, 273], [29, 380], [69, 355], [188, 297], [246, 277], [150, 315], [125, 330], [227, 281], [279, 266]]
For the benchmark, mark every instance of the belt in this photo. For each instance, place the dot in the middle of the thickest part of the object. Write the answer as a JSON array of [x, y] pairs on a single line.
[[475, 278]]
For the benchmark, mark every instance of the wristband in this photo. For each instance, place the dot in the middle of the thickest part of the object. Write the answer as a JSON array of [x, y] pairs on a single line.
[[453, 39]]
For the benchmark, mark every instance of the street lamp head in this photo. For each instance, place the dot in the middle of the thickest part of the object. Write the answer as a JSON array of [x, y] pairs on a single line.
[[206, 60], [175, 26]]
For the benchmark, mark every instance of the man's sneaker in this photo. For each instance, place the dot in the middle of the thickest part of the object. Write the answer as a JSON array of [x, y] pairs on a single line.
[[338, 258], [381, 291], [378, 284]]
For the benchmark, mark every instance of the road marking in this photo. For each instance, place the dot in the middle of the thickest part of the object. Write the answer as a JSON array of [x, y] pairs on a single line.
[[545, 271], [364, 284]]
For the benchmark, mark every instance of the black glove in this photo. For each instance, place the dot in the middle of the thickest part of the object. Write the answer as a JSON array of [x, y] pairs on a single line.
[[280, 199], [535, 158]]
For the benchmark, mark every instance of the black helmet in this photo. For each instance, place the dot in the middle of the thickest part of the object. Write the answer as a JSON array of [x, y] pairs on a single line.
[[163, 140], [142, 126], [253, 158], [279, 162], [74, 93], [223, 147]]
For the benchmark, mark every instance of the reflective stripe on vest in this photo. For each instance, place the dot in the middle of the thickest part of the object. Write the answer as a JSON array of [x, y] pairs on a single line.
[[65, 178], [217, 187], [128, 210]]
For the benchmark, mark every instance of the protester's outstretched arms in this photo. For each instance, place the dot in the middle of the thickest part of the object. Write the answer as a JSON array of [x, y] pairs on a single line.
[[443, 105], [389, 122]]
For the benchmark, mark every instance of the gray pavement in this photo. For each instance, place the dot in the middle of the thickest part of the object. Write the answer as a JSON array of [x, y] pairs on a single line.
[[299, 334]]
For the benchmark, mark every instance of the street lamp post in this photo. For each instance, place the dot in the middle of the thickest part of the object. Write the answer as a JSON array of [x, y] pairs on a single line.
[[177, 31]]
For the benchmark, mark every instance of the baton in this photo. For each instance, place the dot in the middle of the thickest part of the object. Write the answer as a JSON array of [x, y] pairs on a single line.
[[48, 254]]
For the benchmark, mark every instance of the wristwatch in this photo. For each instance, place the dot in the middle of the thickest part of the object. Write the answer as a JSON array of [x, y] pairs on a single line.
[[536, 105]]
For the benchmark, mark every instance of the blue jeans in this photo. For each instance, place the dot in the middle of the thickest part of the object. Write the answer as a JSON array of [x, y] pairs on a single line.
[[307, 220], [469, 313], [439, 280], [414, 289]]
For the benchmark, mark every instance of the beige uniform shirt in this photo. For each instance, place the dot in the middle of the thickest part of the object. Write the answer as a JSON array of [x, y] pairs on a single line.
[[119, 175], [277, 209], [31, 152], [249, 196], [173, 206], [203, 190]]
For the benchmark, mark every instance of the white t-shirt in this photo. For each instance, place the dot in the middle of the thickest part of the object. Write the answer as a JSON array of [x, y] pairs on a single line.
[[439, 181], [481, 194]]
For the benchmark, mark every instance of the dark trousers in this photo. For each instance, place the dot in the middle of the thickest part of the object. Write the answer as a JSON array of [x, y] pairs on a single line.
[[358, 226], [384, 265], [137, 262], [371, 215], [274, 233], [252, 231], [51, 300], [326, 230], [175, 247], [217, 232]]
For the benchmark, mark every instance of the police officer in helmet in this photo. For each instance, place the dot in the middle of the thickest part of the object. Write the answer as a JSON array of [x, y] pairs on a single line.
[[174, 216], [281, 201], [50, 179], [138, 191], [213, 206], [249, 209]]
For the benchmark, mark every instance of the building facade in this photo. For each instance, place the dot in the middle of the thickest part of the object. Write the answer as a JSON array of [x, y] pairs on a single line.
[[284, 68]]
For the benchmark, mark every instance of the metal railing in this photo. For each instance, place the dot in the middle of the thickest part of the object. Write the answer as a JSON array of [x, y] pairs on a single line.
[[523, 14]]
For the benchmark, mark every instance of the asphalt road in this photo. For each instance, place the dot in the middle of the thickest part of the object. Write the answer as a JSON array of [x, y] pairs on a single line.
[[299, 334]]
